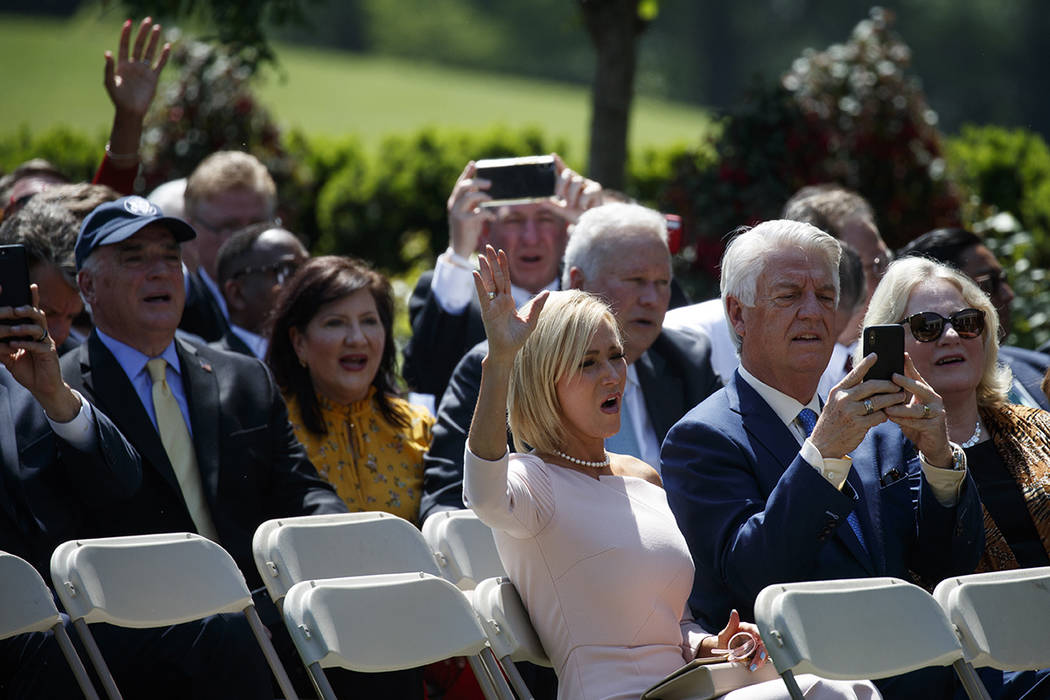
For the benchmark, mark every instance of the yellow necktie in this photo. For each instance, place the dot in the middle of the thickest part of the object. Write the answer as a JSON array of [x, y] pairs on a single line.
[[176, 440]]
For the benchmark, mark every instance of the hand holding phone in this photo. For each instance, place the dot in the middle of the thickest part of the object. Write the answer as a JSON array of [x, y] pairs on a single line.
[[518, 180]]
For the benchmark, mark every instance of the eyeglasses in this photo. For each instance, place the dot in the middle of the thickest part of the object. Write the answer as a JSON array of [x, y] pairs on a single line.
[[281, 270], [991, 283], [927, 326]]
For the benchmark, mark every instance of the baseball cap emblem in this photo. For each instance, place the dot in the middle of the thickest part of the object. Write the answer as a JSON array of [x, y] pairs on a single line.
[[139, 206]]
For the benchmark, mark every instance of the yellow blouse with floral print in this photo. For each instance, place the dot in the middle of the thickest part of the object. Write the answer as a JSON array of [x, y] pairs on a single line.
[[372, 464]]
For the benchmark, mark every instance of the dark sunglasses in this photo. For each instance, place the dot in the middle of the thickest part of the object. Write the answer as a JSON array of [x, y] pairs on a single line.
[[927, 326]]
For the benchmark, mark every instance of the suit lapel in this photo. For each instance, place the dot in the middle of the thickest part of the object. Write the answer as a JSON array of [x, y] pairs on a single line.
[[661, 402], [202, 397], [767, 430], [112, 392], [762, 424]]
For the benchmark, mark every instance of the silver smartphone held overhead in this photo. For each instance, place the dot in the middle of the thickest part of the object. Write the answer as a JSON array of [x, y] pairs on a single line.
[[517, 180]]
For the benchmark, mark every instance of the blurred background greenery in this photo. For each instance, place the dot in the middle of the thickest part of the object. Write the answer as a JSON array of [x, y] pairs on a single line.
[[367, 110]]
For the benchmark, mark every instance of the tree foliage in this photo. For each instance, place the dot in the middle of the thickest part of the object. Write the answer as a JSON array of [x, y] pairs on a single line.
[[241, 26]]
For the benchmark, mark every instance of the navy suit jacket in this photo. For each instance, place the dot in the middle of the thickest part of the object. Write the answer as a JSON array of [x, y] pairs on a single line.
[[675, 374], [252, 466], [755, 513], [48, 489], [1028, 367]]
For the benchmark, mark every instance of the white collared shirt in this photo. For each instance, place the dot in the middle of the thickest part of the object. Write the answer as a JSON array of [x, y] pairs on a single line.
[[453, 284]]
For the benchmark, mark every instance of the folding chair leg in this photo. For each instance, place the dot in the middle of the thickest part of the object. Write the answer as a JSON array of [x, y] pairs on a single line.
[[259, 630], [75, 664], [97, 661], [483, 676], [793, 690], [971, 682], [516, 681], [324, 688], [499, 680]]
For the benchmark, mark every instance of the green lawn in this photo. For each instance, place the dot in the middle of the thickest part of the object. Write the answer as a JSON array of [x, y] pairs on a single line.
[[52, 74]]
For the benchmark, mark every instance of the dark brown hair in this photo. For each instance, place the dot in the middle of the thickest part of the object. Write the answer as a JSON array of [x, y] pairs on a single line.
[[318, 282]]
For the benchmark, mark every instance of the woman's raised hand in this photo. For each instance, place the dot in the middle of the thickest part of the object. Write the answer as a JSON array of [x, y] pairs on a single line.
[[506, 327]]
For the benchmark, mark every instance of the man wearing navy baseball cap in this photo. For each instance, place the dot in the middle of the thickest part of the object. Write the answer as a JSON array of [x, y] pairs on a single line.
[[219, 456]]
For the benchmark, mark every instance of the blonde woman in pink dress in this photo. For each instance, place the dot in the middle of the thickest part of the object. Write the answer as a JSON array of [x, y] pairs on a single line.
[[586, 536]]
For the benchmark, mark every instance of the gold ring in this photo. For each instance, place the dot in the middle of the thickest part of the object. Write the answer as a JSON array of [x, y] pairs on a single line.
[[492, 295], [926, 410], [869, 407]]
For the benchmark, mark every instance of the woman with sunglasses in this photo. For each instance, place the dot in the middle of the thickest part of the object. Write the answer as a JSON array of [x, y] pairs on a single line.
[[951, 335], [586, 536]]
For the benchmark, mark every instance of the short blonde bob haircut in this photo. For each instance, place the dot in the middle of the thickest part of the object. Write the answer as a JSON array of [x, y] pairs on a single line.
[[555, 349], [890, 300]]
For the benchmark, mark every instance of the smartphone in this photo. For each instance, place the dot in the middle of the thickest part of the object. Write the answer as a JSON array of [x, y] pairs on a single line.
[[518, 180], [887, 342], [14, 281]]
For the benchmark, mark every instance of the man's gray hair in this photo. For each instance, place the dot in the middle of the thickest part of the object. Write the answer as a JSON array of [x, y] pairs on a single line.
[[747, 255], [592, 242]]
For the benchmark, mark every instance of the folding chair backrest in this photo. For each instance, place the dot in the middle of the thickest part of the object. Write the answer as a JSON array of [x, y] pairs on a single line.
[[855, 628], [157, 580], [290, 550], [26, 604], [464, 547], [381, 623], [1003, 617], [507, 623], [147, 580]]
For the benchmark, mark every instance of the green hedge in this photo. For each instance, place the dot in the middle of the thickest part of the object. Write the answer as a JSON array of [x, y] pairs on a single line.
[[389, 206]]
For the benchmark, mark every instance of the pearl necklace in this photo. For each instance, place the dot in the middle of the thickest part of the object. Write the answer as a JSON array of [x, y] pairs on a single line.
[[584, 463], [975, 437]]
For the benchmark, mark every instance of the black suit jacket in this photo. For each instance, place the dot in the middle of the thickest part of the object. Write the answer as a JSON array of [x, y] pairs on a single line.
[[202, 314], [439, 339], [231, 342], [252, 466], [49, 489], [675, 374]]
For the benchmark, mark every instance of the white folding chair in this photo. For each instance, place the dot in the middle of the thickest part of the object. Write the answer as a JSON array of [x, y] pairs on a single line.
[[380, 623], [26, 605], [1002, 617], [463, 547], [152, 581], [855, 629], [291, 550]]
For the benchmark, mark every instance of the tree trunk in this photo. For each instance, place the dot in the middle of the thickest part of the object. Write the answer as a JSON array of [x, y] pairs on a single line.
[[614, 27]]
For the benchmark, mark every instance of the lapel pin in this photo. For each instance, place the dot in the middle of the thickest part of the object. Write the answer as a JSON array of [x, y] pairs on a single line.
[[205, 366]]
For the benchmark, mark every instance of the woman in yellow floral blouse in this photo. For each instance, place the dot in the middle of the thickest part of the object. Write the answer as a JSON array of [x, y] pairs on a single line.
[[332, 353]]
